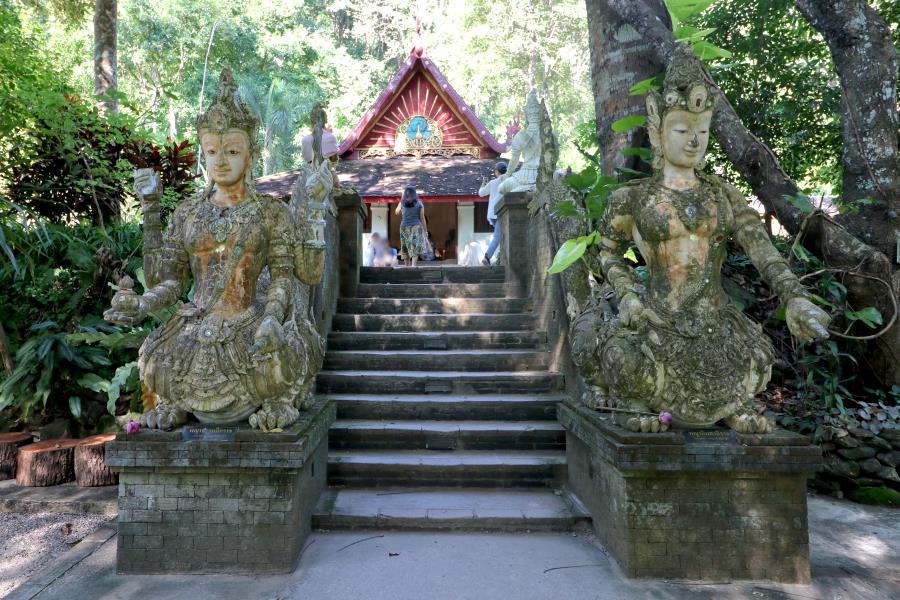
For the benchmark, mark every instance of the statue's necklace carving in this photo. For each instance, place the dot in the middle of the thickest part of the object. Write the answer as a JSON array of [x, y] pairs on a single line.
[[222, 221], [690, 205]]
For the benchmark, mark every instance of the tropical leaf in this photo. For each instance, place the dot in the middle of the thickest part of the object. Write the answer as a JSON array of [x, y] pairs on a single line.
[[628, 123], [571, 251], [871, 316], [685, 9], [645, 86], [707, 51]]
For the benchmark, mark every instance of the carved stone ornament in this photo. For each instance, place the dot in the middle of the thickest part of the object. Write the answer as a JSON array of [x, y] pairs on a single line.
[[243, 347], [674, 342]]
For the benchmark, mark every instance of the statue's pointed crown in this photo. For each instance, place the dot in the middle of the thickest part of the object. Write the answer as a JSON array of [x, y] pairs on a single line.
[[229, 111], [685, 87], [532, 107]]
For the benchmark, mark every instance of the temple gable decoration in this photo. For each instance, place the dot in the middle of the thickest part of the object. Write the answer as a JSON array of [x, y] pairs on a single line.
[[419, 114]]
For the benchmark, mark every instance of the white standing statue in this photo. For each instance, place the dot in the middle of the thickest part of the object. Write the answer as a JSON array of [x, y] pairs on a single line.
[[525, 145]]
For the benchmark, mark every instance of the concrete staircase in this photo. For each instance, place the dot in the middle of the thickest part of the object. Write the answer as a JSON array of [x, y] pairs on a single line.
[[446, 408]]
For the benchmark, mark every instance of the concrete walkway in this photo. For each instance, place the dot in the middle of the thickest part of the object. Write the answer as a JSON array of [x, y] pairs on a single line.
[[855, 554]]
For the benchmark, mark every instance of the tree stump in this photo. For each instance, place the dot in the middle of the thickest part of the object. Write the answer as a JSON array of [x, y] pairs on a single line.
[[50, 462], [9, 450], [90, 462]]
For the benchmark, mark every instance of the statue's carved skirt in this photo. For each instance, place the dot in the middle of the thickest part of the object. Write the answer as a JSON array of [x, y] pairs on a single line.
[[702, 366], [203, 364]]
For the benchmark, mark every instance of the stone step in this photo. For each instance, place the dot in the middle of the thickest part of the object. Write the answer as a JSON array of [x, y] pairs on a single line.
[[439, 306], [437, 360], [464, 468], [435, 340], [461, 407], [432, 274], [454, 322], [439, 382], [431, 290], [446, 435], [454, 509]]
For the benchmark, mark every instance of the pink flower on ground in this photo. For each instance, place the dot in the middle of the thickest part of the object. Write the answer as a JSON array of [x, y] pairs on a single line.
[[132, 427], [665, 418]]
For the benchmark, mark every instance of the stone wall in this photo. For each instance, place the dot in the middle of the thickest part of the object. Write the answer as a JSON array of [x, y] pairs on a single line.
[[856, 458], [241, 506], [685, 508]]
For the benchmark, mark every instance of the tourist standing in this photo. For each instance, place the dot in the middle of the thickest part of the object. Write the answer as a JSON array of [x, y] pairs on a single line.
[[413, 227], [491, 189]]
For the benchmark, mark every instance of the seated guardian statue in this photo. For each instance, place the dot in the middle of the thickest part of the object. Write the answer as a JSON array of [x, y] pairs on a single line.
[[677, 344], [238, 350], [526, 145]]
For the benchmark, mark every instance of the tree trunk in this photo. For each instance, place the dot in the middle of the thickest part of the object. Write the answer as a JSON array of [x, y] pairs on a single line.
[[105, 23], [756, 162], [866, 63], [46, 463], [90, 462], [9, 451], [5, 352], [620, 58]]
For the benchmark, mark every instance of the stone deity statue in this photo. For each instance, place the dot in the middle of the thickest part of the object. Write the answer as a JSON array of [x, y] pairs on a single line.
[[526, 144], [677, 344], [239, 350]]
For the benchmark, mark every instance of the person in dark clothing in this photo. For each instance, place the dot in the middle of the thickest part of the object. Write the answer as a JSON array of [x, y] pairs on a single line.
[[413, 227]]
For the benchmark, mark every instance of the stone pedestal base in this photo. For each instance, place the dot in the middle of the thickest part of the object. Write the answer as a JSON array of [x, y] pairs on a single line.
[[711, 505], [240, 507]]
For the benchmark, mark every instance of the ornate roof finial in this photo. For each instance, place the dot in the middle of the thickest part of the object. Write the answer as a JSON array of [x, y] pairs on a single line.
[[532, 108]]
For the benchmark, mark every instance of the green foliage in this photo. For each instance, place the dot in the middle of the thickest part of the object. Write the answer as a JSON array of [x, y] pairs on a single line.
[[288, 54], [625, 124], [69, 161], [571, 251], [880, 496], [68, 361]]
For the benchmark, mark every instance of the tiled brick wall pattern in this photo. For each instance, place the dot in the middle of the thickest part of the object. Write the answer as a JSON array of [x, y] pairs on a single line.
[[219, 507], [668, 508]]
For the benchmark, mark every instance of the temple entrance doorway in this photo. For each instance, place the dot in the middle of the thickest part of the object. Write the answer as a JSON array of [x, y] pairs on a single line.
[[442, 222], [460, 230]]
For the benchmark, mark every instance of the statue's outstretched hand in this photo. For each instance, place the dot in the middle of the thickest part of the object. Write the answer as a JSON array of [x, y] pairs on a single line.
[[806, 320], [269, 336], [147, 185], [128, 307]]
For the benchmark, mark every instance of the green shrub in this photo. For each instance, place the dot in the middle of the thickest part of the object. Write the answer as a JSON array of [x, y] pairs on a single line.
[[881, 496]]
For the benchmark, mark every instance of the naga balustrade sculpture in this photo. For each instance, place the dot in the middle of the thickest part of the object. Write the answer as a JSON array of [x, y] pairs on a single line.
[[677, 344], [243, 347]]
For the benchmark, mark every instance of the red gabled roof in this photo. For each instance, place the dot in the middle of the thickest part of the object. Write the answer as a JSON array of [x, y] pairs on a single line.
[[417, 62]]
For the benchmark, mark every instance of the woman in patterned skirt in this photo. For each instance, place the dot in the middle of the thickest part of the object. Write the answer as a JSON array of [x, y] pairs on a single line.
[[413, 228]]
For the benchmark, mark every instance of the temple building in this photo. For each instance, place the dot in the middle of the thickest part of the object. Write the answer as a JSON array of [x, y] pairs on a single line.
[[418, 132]]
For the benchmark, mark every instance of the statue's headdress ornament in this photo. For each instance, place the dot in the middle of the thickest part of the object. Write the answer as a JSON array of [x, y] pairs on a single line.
[[684, 87], [229, 111], [532, 108]]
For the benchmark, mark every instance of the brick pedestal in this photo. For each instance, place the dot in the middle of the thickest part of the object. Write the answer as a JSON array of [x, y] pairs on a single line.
[[701, 506], [241, 506], [512, 210]]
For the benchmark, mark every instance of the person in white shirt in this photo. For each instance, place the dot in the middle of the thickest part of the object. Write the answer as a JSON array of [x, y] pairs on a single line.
[[490, 189]]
